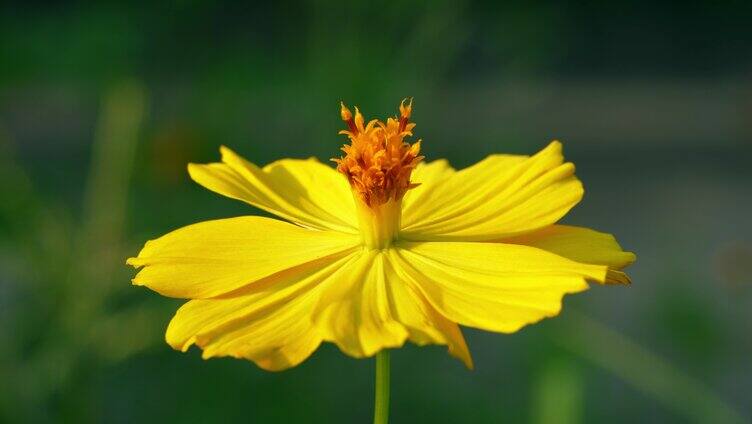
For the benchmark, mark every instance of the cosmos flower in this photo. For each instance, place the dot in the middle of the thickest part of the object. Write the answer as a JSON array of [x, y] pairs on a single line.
[[386, 248]]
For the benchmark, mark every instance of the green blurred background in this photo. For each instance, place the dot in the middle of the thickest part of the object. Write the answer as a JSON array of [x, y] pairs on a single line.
[[103, 104]]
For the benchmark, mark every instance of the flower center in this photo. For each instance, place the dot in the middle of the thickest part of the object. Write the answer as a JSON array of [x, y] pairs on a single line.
[[379, 225], [377, 164]]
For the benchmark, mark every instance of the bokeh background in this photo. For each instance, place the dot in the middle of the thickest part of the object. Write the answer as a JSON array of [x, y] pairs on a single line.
[[103, 104]]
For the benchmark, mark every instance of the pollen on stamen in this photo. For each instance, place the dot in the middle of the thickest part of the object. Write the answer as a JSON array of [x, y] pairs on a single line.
[[378, 162]]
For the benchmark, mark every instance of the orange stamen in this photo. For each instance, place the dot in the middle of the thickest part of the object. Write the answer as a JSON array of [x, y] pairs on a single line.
[[378, 162], [405, 112], [347, 116]]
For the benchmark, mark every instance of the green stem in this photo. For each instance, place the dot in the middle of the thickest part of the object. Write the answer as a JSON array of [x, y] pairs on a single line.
[[381, 409]]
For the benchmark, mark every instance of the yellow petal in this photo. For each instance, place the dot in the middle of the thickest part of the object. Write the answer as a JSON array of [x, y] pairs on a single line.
[[492, 286], [429, 176], [354, 312], [270, 324], [423, 322], [499, 197], [578, 244], [306, 192], [216, 257]]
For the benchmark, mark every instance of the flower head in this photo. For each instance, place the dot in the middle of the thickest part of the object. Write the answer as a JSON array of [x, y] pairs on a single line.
[[384, 249]]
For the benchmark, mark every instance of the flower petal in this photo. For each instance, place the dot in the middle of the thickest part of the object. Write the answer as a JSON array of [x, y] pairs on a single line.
[[306, 192], [492, 286], [354, 312], [429, 176], [578, 244], [270, 324], [499, 197], [423, 322], [216, 257]]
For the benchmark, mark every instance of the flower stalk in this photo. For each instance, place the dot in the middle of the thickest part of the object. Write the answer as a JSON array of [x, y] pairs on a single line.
[[381, 408]]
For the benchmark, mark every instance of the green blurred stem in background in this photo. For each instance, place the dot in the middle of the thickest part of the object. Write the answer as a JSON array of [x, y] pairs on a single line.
[[381, 408], [73, 268], [643, 370]]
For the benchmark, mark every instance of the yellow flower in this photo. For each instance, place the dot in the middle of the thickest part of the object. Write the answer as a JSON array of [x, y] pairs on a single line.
[[394, 250]]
